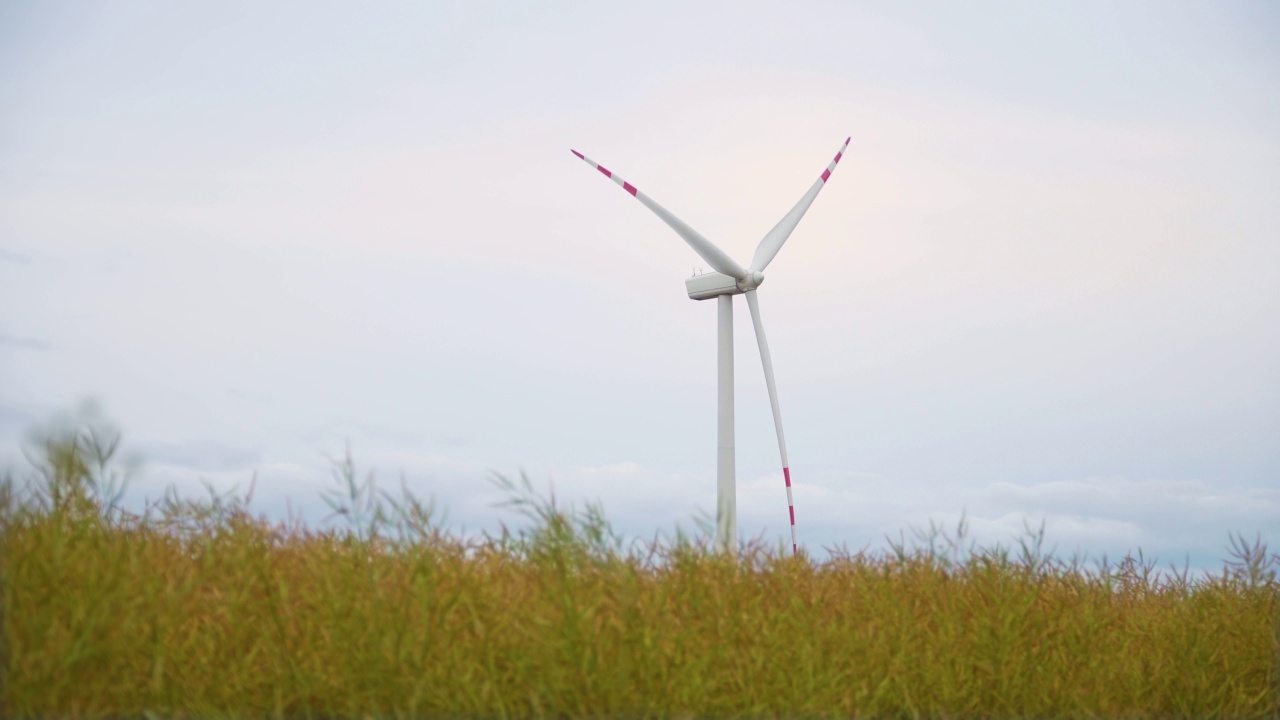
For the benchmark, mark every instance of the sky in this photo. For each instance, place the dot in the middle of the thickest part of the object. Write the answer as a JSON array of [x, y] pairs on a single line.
[[1039, 288]]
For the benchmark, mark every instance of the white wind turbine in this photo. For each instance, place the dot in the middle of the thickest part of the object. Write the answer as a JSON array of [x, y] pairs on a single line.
[[731, 279]]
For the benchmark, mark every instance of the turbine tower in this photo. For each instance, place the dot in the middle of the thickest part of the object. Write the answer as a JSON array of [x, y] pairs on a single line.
[[731, 279]]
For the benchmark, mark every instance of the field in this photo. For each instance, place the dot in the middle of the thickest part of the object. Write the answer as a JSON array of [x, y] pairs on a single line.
[[198, 609]]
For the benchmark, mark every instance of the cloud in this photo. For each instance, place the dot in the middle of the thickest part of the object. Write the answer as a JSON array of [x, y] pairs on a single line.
[[1147, 499], [279, 488], [1112, 516], [24, 343], [626, 469], [14, 422], [254, 397], [341, 433], [203, 455], [13, 417], [1092, 517], [14, 257]]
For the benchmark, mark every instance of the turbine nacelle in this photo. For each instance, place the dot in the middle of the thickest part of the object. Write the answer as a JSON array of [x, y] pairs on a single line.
[[714, 284]]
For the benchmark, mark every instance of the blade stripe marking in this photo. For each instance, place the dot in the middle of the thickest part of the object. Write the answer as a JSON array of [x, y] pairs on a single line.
[[605, 171], [831, 168]]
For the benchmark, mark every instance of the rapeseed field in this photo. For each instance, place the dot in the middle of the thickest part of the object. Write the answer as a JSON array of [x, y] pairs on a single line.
[[197, 608]]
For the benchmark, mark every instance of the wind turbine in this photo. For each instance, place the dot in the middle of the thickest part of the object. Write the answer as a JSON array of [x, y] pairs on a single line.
[[732, 279]]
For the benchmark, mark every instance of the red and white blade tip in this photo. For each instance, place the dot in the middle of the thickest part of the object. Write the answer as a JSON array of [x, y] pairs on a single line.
[[605, 171], [832, 167]]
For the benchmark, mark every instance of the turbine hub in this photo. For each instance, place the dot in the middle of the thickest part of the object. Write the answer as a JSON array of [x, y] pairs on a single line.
[[751, 281]]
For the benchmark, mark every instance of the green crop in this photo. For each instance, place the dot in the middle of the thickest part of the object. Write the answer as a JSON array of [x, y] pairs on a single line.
[[199, 609]]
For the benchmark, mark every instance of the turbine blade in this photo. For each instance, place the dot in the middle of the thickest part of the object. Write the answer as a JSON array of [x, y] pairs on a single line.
[[754, 304], [772, 242], [714, 256]]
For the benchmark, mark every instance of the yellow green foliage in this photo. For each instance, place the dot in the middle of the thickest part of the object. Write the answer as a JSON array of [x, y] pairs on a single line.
[[197, 609]]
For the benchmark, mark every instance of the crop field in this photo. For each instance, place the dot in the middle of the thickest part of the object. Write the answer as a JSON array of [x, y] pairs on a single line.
[[197, 608]]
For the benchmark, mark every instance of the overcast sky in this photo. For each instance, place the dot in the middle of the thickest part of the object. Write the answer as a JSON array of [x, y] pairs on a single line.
[[1041, 285]]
